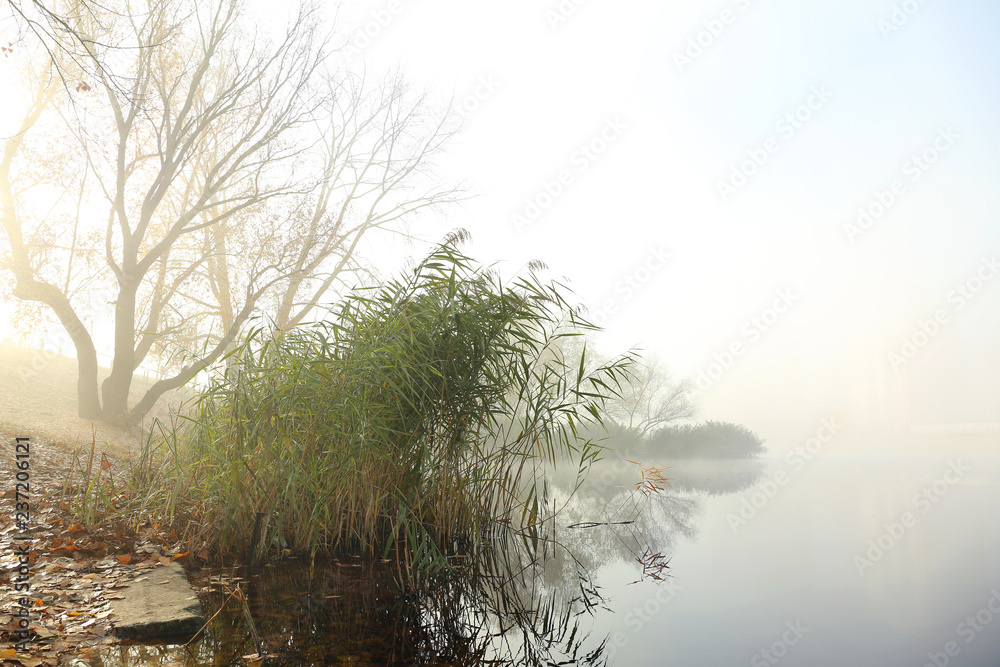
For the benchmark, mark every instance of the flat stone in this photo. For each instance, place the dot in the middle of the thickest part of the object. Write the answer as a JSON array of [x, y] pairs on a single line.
[[163, 604]]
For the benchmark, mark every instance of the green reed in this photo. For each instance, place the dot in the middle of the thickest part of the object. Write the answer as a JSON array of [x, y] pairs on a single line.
[[423, 412]]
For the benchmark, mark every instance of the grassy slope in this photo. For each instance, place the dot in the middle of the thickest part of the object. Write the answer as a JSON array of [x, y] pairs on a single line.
[[38, 399]]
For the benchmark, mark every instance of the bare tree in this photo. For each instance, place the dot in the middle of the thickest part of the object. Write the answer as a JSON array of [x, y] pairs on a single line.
[[652, 400], [373, 149], [56, 26], [376, 146], [218, 193]]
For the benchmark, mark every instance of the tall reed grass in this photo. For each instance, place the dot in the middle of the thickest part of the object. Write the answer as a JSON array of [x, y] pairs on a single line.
[[420, 415]]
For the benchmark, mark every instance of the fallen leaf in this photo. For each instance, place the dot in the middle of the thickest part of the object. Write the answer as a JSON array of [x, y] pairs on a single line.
[[125, 559]]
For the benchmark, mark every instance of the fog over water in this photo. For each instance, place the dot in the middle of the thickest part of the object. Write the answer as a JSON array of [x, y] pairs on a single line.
[[875, 561], [794, 205], [852, 269], [791, 204]]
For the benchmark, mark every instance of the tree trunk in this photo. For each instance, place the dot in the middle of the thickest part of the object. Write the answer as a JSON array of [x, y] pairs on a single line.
[[114, 390], [88, 400], [87, 396], [29, 289], [284, 314], [189, 371]]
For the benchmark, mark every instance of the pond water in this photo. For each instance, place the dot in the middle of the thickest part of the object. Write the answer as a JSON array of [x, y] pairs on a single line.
[[861, 560]]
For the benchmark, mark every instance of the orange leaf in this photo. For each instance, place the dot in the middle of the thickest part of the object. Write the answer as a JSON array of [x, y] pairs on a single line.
[[125, 560]]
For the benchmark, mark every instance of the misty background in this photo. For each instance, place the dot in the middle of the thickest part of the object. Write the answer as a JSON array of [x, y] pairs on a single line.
[[695, 105], [698, 173]]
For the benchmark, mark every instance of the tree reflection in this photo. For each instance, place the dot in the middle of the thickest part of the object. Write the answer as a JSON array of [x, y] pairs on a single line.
[[525, 598], [495, 611]]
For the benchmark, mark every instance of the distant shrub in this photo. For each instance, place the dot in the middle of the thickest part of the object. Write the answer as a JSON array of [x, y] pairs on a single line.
[[710, 439]]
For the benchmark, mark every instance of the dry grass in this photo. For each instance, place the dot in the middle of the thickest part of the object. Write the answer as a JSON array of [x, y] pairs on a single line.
[[38, 399]]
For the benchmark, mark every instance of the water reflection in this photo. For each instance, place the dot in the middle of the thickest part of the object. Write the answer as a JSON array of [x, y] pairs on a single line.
[[715, 477], [632, 526], [497, 612], [526, 600], [795, 563]]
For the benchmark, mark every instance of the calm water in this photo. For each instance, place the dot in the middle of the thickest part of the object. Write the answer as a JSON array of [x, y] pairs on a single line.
[[839, 560], [826, 573]]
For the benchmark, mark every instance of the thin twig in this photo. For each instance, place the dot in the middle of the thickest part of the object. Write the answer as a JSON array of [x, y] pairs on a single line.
[[591, 524], [202, 628]]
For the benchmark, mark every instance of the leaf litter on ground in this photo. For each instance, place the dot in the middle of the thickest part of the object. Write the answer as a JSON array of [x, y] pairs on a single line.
[[74, 574]]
